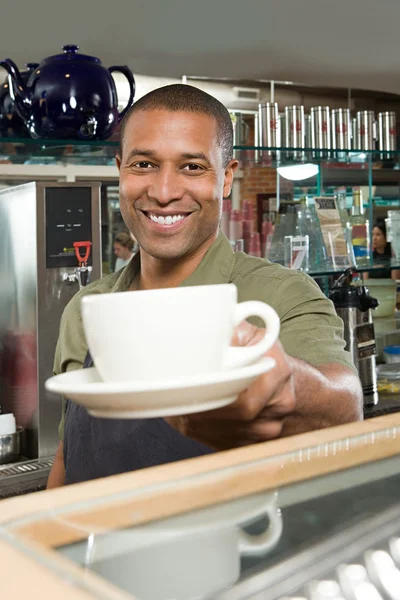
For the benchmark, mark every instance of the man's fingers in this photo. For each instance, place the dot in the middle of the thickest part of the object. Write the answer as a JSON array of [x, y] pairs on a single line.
[[246, 334], [271, 393], [239, 434]]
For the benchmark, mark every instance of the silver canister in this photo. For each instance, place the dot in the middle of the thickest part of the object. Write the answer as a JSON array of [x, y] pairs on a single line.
[[295, 129], [240, 133], [366, 130], [268, 115], [240, 129], [320, 127], [341, 129], [387, 131]]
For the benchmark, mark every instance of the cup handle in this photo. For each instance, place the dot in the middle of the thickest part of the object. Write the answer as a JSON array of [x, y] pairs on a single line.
[[241, 356], [252, 545]]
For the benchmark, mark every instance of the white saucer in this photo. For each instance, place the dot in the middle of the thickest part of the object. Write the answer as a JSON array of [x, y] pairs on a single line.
[[150, 399]]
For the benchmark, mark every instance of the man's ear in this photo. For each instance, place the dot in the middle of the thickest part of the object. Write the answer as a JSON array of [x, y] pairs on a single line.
[[118, 161], [229, 173]]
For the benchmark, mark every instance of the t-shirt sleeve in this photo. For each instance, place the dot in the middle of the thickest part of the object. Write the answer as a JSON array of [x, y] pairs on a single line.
[[71, 346], [310, 327]]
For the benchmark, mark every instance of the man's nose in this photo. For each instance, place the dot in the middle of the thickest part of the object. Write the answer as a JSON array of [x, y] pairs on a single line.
[[166, 186]]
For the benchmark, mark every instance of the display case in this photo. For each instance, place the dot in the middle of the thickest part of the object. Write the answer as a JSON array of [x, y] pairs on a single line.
[[258, 178], [283, 519]]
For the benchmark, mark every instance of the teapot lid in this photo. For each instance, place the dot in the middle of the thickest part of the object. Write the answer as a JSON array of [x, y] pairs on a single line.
[[71, 54]]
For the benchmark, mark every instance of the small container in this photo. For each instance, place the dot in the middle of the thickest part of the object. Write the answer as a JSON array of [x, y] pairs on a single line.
[[248, 229], [366, 130], [391, 354], [7, 424], [320, 127], [226, 214], [248, 213], [236, 226], [388, 379], [10, 446], [295, 127], [268, 123], [387, 136], [255, 245], [341, 129], [239, 246]]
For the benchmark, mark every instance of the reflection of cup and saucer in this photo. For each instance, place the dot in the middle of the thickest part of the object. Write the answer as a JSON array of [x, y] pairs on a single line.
[[194, 555], [166, 352]]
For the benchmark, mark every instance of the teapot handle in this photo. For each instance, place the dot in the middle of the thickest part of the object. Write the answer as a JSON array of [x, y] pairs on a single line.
[[20, 99], [132, 86]]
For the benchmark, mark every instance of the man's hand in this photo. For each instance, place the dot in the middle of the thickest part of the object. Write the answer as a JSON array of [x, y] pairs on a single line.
[[294, 397], [258, 413]]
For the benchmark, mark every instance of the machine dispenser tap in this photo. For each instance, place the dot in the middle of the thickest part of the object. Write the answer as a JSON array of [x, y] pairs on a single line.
[[82, 273]]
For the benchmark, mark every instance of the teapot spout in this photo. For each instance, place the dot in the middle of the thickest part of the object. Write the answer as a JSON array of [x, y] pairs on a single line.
[[18, 91]]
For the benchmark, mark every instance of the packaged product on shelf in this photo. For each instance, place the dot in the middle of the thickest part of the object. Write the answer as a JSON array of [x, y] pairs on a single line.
[[296, 252], [332, 231]]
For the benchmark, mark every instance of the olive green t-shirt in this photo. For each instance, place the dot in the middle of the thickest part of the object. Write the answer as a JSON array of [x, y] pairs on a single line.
[[310, 328]]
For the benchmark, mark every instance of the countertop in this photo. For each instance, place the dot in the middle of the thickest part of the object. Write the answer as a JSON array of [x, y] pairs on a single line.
[[325, 481]]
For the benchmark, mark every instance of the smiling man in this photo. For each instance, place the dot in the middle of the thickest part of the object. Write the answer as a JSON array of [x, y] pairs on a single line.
[[176, 166]]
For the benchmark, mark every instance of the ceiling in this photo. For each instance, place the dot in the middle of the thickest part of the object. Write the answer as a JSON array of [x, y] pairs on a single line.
[[349, 43]]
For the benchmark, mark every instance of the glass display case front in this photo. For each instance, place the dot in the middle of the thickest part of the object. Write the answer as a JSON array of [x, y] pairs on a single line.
[[272, 521]]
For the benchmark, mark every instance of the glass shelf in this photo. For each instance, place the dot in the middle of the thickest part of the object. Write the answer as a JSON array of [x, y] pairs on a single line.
[[279, 156], [47, 143], [19, 150], [394, 265]]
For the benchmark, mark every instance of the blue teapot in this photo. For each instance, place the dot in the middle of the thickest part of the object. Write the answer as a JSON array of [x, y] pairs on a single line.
[[68, 96], [11, 123]]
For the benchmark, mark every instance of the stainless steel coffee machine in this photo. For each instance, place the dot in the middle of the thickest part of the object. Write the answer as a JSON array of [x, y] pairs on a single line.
[[49, 247], [354, 305]]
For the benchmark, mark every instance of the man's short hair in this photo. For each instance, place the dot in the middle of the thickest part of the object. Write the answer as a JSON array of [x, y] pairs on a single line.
[[182, 97]]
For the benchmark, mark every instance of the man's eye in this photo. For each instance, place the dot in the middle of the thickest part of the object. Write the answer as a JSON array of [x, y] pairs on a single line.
[[143, 164], [192, 167]]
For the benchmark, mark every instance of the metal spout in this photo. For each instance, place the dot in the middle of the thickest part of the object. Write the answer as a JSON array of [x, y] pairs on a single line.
[[83, 276]]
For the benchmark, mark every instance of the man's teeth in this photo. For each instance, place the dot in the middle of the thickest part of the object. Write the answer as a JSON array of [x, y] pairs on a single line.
[[168, 220]]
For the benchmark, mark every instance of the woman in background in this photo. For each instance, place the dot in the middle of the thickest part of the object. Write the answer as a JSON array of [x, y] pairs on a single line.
[[123, 250], [380, 246], [382, 251]]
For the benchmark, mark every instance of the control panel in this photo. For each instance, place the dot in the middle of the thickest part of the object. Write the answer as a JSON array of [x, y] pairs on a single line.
[[68, 220]]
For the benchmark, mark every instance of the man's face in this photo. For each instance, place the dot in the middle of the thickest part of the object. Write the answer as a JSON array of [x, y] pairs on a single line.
[[118, 250], [172, 181]]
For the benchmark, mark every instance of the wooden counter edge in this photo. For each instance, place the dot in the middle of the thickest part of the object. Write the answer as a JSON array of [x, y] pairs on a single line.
[[219, 477], [26, 577], [48, 500]]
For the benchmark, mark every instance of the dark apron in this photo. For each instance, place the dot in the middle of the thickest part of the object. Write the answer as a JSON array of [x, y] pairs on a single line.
[[95, 447]]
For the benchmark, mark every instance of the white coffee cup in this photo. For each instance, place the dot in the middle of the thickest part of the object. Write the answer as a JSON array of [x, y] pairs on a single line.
[[190, 556], [7, 424], [171, 333]]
